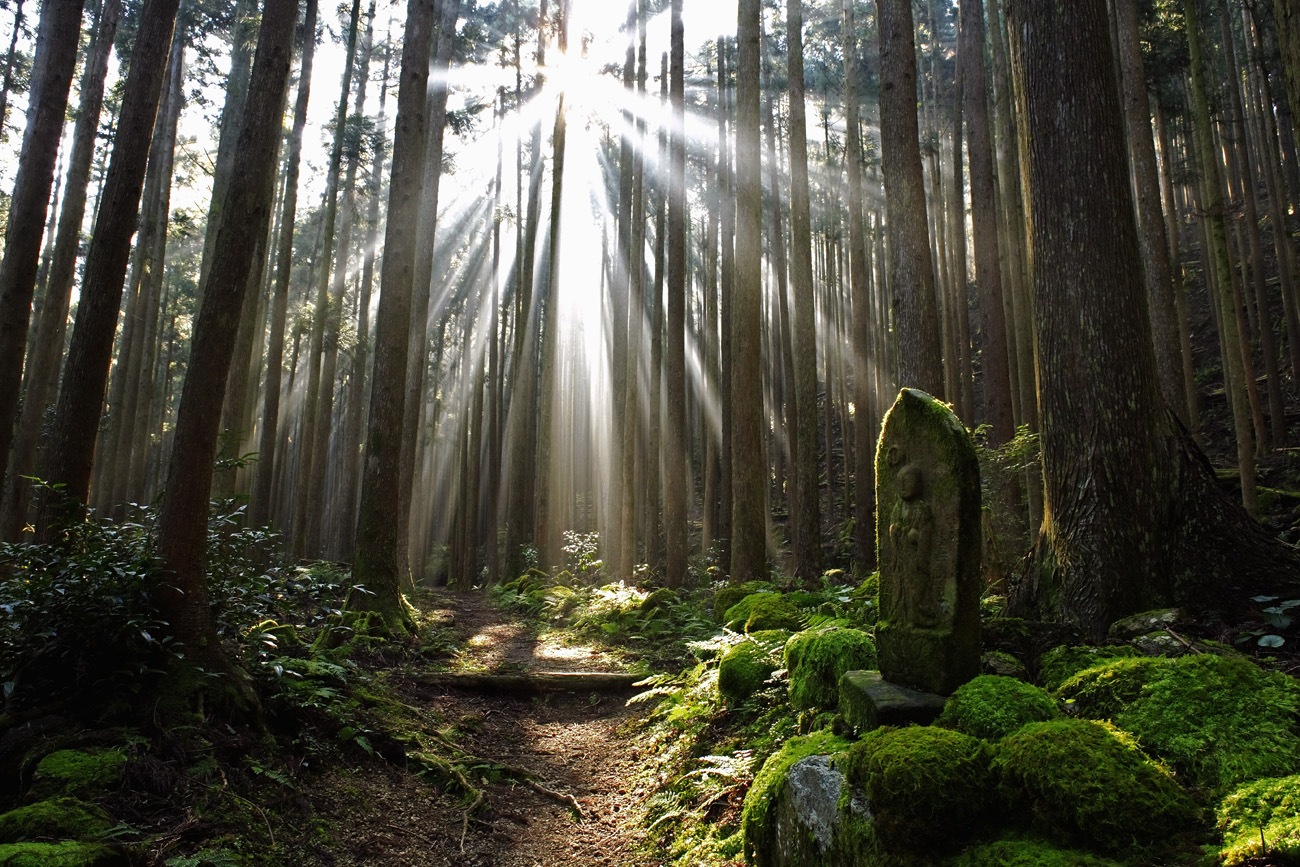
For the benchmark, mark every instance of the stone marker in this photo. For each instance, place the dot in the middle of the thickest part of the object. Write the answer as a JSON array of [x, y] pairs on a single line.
[[928, 544], [868, 701]]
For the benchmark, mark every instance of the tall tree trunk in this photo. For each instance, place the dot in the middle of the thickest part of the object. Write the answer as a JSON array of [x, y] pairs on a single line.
[[1135, 515], [269, 434], [676, 463], [375, 567], [749, 466], [85, 372], [56, 58], [10, 56], [182, 520], [44, 355], [911, 273]]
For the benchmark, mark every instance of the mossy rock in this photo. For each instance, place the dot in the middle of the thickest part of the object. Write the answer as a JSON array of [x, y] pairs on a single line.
[[1261, 818], [1027, 853], [72, 772], [1084, 784], [661, 598], [762, 611], [1062, 663], [729, 595], [1146, 622], [1004, 664], [1105, 689], [805, 599], [926, 786], [1218, 721], [818, 658], [69, 853], [743, 669], [758, 815], [57, 817], [992, 707]]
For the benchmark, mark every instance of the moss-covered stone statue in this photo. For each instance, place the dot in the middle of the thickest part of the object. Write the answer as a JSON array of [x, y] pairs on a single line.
[[928, 542]]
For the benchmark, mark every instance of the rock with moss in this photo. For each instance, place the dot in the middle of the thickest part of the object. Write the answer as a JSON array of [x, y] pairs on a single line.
[[818, 658], [656, 599], [54, 818], [69, 853], [768, 796], [1105, 689], [929, 542], [1128, 628], [926, 787], [1260, 819], [1004, 664], [1059, 664], [763, 611], [743, 669], [75, 772], [1218, 721], [1083, 783], [729, 595], [992, 707], [1027, 853]]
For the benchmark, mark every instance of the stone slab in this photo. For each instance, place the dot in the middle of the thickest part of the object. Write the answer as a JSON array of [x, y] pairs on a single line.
[[868, 701]]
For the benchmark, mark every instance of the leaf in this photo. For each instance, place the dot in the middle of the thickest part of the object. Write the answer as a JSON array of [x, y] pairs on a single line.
[[1271, 641], [1263, 599]]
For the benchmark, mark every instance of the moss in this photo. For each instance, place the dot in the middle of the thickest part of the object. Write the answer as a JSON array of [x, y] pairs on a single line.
[[57, 817], [757, 814], [992, 707], [1003, 663], [743, 669], [924, 784], [660, 598], [1026, 853], [729, 595], [818, 658], [1062, 663], [1261, 818], [1084, 784], [70, 772], [1219, 721], [1105, 689], [66, 854], [763, 611]]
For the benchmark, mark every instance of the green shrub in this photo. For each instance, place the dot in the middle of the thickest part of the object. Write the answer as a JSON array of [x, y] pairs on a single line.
[[756, 818], [1218, 721], [1027, 853], [1260, 819], [1084, 784], [1105, 689], [924, 784], [818, 658], [992, 707], [1062, 663]]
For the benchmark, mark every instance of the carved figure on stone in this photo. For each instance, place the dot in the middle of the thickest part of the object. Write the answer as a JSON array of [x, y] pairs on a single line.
[[911, 529]]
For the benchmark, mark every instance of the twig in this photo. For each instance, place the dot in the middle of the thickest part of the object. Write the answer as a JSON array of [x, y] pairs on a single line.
[[562, 797], [1185, 642], [260, 812]]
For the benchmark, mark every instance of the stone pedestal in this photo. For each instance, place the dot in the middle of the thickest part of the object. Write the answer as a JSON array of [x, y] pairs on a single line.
[[868, 701]]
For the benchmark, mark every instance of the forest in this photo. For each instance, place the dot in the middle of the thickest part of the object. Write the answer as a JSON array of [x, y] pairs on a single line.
[[692, 432]]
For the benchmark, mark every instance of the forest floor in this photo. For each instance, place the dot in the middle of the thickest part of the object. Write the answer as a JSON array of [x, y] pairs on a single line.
[[574, 744]]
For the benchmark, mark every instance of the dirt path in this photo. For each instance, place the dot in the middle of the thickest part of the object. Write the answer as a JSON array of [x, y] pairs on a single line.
[[576, 744]]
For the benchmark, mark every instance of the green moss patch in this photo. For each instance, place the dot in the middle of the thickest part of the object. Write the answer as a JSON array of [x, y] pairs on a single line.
[[743, 670], [1218, 721], [66, 854], [1062, 663], [763, 611], [1103, 690], [992, 707], [58, 817], [70, 772], [923, 784], [1260, 819], [1027, 853], [729, 595], [660, 598], [757, 815], [1083, 784], [818, 658]]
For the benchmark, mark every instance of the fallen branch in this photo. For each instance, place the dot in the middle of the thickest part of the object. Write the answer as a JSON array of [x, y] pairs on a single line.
[[534, 682]]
